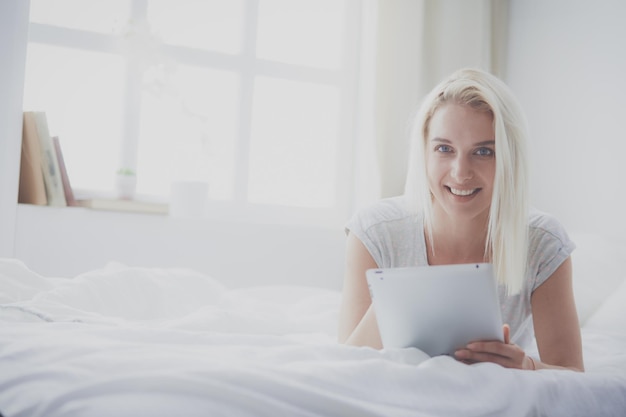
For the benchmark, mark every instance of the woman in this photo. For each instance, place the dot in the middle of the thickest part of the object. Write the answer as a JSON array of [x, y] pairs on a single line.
[[466, 201]]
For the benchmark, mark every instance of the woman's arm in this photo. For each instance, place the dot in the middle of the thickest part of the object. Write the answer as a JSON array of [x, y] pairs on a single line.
[[357, 322], [556, 321], [556, 329]]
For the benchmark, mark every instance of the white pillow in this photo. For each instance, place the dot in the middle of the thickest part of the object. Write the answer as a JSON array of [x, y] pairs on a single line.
[[131, 293], [18, 283], [598, 270]]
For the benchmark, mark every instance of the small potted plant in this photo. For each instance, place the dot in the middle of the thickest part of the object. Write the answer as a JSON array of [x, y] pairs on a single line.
[[125, 183]]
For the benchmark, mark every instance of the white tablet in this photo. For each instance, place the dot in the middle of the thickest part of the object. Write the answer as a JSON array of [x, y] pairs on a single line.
[[437, 309]]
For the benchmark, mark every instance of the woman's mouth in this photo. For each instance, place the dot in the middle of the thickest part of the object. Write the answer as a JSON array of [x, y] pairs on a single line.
[[463, 193]]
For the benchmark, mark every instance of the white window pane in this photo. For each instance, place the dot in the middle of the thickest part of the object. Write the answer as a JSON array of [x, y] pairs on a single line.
[[82, 95], [293, 144], [188, 131], [215, 25], [304, 32], [103, 16]]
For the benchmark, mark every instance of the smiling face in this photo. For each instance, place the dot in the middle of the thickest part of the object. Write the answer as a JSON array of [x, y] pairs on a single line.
[[461, 162]]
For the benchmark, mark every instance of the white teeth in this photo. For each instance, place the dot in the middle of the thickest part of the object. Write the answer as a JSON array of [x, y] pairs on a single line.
[[463, 192]]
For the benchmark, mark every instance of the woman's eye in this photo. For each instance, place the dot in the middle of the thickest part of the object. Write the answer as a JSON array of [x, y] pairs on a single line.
[[484, 152], [443, 148]]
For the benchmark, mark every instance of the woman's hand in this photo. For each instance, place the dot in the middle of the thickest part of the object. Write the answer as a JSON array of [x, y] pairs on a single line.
[[503, 353]]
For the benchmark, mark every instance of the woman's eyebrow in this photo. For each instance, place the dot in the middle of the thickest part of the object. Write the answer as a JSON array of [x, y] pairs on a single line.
[[438, 139], [446, 141]]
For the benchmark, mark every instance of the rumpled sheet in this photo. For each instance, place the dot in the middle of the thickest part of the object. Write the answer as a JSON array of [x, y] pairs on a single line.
[[160, 342]]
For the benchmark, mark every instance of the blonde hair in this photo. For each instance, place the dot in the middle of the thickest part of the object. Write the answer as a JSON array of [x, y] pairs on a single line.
[[507, 234]]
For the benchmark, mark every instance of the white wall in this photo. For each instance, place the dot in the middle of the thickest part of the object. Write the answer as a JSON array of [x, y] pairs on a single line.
[[567, 65], [457, 34], [13, 21], [68, 241]]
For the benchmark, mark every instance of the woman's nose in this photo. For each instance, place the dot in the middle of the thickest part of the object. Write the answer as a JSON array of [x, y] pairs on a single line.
[[461, 170]]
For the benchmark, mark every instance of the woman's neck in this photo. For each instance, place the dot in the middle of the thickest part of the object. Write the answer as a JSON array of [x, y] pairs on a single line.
[[457, 240]]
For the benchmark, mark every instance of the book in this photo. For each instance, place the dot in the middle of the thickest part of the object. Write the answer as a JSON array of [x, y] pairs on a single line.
[[50, 165], [65, 179], [134, 206], [32, 189]]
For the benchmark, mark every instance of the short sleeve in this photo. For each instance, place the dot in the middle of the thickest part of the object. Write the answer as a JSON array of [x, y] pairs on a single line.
[[550, 246], [359, 225], [389, 232]]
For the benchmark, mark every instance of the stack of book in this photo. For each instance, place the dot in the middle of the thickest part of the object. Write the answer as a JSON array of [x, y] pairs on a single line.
[[42, 169], [44, 179]]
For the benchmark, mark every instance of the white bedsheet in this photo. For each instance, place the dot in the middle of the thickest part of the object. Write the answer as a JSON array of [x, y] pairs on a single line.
[[134, 341]]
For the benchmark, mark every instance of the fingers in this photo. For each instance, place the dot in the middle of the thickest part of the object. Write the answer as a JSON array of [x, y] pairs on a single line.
[[503, 353], [507, 355], [493, 347], [470, 357], [506, 329]]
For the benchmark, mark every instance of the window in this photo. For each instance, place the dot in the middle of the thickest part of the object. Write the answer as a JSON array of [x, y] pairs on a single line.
[[256, 97]]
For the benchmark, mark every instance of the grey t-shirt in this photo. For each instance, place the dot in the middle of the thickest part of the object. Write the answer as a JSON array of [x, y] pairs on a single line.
[[395, 238]]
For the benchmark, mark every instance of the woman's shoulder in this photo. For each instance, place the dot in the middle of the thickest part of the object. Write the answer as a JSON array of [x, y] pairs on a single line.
[[385, 212], [547, 232], [541, 223]]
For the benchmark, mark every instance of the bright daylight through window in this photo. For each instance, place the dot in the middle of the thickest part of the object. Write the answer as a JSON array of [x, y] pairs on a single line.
[[256, 97]]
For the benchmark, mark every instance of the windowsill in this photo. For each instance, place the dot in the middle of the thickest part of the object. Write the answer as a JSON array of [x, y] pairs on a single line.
[[127, 206], [215, 212]]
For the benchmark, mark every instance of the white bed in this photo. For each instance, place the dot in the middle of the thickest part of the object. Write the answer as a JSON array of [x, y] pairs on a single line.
[[125, 341]]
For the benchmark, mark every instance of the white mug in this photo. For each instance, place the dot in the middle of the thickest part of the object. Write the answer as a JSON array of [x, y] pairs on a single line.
[[188, 198]]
